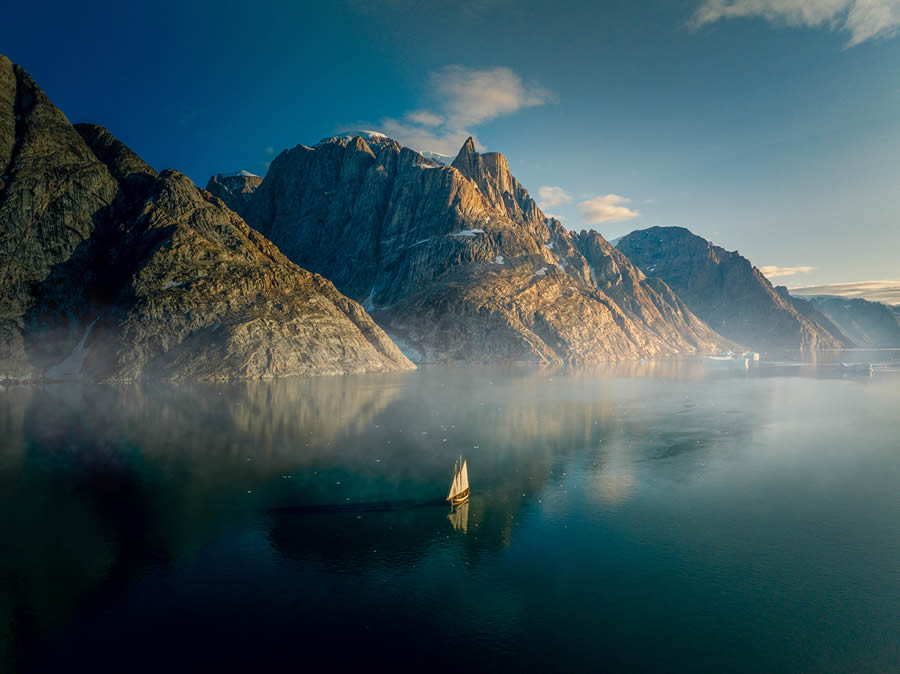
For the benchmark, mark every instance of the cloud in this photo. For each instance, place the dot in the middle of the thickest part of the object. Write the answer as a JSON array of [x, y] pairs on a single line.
[[461, 99], [862, 19], [773, 271], [424, 118], [876, 291], [551, 196], [606, 208], [472, 97]]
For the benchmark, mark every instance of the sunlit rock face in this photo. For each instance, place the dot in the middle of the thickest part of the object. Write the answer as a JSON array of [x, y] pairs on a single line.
[[725, 290], [458, 263], [113, 272]]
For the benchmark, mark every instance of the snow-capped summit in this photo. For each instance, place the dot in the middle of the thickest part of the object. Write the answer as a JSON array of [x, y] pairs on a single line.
[[371, 137], [376, 138], [438, 158], [238, 174], [234, 188]]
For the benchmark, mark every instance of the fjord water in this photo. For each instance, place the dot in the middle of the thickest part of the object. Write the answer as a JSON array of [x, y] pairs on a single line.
[[660, 517]]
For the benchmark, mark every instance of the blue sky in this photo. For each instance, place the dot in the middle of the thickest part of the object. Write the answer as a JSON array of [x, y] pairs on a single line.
[[769, 126]]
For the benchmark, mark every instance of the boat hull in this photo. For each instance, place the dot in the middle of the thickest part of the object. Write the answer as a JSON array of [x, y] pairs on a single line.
[[460, 498]]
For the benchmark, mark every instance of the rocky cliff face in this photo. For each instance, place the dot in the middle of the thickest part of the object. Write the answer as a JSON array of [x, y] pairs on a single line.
[[725, 290], [235, 189], [110, 271], [458, 261], [868, 324]]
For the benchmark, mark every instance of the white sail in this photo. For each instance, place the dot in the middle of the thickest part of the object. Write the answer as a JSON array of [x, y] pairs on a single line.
[[454, 486], [463, 478]]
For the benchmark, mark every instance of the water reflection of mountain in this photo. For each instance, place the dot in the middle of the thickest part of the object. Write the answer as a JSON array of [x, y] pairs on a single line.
[[101, 483]]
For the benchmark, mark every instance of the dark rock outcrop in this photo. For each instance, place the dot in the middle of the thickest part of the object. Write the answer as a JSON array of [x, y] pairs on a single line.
[[110, 271], [867, 323], [235, 189], [725, 290], [458, 261]]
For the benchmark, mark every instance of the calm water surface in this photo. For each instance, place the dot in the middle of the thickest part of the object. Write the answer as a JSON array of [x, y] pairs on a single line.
[[649, 517]]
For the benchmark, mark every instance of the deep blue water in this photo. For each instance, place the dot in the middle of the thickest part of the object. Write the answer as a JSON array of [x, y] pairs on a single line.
[[665, 517]]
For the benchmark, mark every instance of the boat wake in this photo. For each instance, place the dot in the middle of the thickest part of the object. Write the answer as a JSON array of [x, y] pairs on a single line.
[[369, 507]]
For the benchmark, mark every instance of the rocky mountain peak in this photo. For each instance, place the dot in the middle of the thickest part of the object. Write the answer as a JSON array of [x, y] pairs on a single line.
[[459, 261], [360, 145], [112, 272], [465, 156], [491, 173], [724, 289], [234, 188]]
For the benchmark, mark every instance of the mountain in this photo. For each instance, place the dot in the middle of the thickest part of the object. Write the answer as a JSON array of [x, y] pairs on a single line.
[[867, 323], [111, 271], [458, 263], [726, 291], [806, 308], [234, 189], [438, 158]]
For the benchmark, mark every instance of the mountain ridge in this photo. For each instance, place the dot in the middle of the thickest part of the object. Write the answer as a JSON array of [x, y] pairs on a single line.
[[457, 261], [113, 272], [724, 289]]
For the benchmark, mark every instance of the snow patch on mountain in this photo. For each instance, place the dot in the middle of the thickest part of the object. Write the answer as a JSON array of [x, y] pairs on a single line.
[[371, 137], [238, 174]]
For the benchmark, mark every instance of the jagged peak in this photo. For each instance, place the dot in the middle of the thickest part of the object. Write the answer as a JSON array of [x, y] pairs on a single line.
[[359, 144], [465, 158]]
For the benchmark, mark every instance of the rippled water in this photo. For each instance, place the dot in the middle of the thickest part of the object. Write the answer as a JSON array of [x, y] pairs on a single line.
[[666, 517]]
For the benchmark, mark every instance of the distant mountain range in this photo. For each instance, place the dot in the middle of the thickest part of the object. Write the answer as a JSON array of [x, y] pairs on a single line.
[[113, 272], [868, 324], [728, 292]]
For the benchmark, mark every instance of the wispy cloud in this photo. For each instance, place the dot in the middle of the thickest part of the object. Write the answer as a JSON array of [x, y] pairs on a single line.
[[551, 196], [877, 291], [862, 19], [461, 99], [424, 118], [607, 208], [773, 271]]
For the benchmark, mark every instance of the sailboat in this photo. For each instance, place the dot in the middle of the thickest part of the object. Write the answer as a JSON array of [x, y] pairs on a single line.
[[459, 488]]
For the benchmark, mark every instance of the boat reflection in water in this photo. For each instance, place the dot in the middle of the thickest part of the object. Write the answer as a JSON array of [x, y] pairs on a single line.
[[459, 517]]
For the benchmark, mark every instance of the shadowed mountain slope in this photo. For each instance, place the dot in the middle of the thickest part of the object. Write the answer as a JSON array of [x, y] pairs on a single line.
[[725, 290], [110, 271], [867, 323]]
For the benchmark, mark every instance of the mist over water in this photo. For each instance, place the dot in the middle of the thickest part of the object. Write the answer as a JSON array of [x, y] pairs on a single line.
[[660, 516]]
